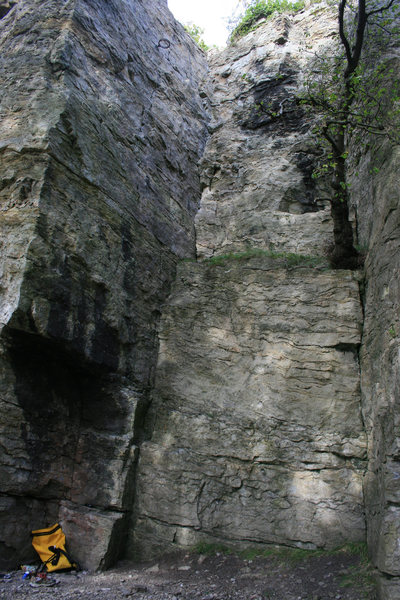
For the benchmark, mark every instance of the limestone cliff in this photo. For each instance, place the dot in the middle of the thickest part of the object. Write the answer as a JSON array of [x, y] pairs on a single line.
[[257, 171], [101, 130], [164, 294], [257, 434], [376, 199]]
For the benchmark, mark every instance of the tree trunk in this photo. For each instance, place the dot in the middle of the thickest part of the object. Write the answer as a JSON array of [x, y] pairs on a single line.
[[343, 255]]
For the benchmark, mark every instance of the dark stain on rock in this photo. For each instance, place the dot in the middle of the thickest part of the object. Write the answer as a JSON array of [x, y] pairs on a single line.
[[25, 188], [63, 400], [126, 241], [49, 387], [81, 318], [105, 341], [57, 326], [348, 347], [306, 164], [129, 277], [5, 182], [276, 109], [5, 8], [303, 198]]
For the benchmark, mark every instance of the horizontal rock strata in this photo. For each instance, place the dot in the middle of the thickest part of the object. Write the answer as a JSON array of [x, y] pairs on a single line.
[[258, 434]]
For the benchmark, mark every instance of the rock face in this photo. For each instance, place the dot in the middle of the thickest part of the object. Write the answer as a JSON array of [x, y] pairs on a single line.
[[257, 430], [256, 174], [6, 6], [257, 434], [102, 127], [378, 215], [257, 368]]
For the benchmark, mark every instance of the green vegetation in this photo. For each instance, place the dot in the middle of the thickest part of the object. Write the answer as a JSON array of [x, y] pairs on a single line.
[[211, 549], [296, 555], [281, 552], [291, 259], [359, 576], [196, 32], [354, 92], [262, 9], [284, 553]]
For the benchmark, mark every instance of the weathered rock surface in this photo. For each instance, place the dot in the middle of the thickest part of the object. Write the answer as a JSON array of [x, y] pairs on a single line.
[[257, 434], [378, 215], [257, 171], [101, 130], [6, 6]]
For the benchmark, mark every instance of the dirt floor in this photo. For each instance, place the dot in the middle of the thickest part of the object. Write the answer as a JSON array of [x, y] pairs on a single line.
[[283, 575]]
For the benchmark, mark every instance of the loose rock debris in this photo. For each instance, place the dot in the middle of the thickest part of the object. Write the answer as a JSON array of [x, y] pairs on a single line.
[[186, 576]]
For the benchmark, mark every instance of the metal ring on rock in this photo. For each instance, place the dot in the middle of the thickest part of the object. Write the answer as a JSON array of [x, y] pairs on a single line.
[[164, 43]]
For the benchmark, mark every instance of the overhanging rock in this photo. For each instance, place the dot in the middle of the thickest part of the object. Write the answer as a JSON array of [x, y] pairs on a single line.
[[101, 131]]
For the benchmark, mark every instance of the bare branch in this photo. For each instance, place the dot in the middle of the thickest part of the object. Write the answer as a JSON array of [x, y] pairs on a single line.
[[343, 38], [380, 27], [356, 54]]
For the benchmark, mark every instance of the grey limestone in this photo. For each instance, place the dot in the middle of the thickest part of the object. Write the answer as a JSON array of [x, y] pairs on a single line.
[[101, 130], [377, 203], [178, 363], [257, 434]]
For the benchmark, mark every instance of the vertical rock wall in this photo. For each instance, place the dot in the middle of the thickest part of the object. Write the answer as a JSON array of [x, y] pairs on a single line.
[[257, 434], [375, 192], [258, 190], [101, 130]]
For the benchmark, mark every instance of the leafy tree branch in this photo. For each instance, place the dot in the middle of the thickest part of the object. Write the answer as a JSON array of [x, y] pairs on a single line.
[[258, 10], [196, 33], [352, 93]]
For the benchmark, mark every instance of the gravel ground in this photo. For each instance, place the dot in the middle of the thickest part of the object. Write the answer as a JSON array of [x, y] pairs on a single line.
[[339, 576]]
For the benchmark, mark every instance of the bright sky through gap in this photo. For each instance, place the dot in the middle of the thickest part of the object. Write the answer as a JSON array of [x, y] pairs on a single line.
[[210, 15]]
